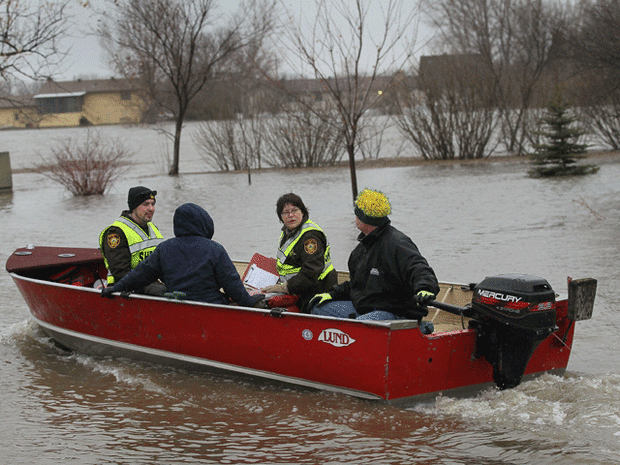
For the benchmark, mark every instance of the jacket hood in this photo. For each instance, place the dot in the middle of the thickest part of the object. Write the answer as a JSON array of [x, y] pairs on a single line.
[[192, 220]]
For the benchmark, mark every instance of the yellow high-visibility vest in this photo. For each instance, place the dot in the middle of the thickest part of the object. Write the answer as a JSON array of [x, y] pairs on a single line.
[[141, 244], [286, 272]]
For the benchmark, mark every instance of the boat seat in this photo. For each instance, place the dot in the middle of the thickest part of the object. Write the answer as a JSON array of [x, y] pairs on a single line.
[[76, 276], [287, 301]]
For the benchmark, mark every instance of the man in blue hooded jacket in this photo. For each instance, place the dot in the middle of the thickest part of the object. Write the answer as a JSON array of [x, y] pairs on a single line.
[[190, 263]]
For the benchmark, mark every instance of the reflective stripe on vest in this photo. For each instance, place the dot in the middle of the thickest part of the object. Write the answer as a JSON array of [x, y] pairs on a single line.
[[286, 272], [141, 244]]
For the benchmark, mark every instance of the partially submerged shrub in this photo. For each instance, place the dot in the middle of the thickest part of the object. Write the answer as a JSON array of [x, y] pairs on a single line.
[[302, 140], [89, 167], [288, 140]]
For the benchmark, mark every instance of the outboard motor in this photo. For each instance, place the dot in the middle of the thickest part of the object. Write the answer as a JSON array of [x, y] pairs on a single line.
[[512, 315]]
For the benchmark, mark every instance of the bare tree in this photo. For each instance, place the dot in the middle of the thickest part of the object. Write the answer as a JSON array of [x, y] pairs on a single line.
[[234, 144], [517, 39], [289, 140], [302, 140], [238, 86], [595, 42], [30, 34], [449, 116], [173, 47], [373, 141], [353, 61], [596, 52], [602, 119], [218, 145]]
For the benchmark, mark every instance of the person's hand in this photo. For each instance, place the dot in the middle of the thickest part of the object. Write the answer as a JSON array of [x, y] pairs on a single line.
[[319, 299], [424, 297], [107, 292], [260, 301], [175, 295], [275, 289]]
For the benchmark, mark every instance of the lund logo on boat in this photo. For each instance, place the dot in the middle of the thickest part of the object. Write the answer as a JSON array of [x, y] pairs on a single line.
[[336, 337]]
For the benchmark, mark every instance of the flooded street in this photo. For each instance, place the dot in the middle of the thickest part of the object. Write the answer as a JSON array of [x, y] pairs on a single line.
[[468, 220]]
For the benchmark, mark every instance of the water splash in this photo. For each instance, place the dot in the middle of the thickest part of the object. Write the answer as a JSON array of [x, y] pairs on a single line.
[[574, 407]]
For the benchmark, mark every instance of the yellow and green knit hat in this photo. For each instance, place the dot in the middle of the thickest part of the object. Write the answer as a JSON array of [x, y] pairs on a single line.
[[372, 207]]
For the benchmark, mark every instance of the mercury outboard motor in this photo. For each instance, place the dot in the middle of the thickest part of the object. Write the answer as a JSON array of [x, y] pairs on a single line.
[[512, 314]]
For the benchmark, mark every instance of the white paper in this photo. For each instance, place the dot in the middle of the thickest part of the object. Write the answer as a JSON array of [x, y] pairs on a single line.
[[259, 278]]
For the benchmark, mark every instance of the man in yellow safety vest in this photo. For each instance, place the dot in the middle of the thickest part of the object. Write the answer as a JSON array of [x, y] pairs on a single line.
[[132, 238]]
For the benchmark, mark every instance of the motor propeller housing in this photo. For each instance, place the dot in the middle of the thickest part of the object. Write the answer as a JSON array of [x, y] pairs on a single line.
[[512, 314]]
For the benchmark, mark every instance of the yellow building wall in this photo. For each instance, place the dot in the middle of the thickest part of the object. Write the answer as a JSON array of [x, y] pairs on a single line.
[[18, 117], [109, 108], [7, 118], [100, 108], [59, 119]]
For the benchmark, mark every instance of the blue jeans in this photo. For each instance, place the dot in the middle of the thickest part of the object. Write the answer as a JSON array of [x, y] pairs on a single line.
[[345, 309]]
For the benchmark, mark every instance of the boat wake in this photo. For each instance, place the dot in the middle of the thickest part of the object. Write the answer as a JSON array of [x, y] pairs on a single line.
[[12, 334], [123, 371], [27, 336], [574, 405]]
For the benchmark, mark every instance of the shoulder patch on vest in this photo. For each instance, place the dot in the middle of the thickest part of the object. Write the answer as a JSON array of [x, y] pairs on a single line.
[[310, 246], [114, 240]]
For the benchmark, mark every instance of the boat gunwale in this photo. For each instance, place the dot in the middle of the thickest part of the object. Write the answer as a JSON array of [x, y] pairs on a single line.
[[393, 325]]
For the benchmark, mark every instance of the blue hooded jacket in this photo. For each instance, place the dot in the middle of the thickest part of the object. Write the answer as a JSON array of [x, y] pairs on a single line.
[[191, 263]]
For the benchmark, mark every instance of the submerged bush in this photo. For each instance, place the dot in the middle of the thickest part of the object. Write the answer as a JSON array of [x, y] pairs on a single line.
[[86, 168]]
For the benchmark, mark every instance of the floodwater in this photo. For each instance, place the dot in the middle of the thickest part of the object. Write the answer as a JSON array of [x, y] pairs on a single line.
[[470, 221]]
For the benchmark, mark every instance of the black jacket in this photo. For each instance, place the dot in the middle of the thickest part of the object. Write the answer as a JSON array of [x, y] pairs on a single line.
[[386, 272], [306, 283]]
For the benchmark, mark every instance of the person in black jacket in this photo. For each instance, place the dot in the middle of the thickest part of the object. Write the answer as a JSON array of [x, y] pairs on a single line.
[[190, 264], [389, 278]]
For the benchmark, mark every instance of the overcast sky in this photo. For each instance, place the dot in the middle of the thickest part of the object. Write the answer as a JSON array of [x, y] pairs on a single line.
[[87, 60], [86, 57]]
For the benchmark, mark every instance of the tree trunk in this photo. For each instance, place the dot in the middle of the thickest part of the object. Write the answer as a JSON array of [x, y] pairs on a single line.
[[351, 152], [174, 167]]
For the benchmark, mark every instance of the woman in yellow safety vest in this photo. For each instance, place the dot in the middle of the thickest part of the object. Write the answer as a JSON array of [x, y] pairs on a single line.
[[303, 258]]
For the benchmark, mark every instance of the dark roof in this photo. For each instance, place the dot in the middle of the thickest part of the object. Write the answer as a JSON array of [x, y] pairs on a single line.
[[16, 102], [438, 66], [88, 86], [300, 86]]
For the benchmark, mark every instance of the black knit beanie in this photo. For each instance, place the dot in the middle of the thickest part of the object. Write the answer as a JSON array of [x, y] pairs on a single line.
[[139, 194]]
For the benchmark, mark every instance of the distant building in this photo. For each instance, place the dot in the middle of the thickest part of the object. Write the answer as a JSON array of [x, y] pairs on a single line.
[[314, 93], [461, 74], [76, 103], [17, 112], [444, 70]]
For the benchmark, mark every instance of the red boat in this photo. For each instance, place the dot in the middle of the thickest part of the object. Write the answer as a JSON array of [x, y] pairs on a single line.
[[500, 331]]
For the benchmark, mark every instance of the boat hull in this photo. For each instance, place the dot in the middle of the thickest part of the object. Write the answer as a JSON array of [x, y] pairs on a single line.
[[390, 361]]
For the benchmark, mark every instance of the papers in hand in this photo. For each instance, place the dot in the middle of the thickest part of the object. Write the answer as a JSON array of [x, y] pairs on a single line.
[[257, 277]]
